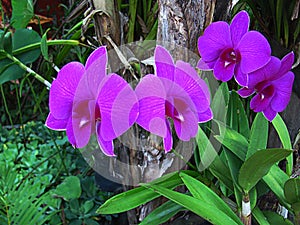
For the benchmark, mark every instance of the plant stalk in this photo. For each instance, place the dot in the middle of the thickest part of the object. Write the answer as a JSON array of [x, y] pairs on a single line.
[[246, 209]]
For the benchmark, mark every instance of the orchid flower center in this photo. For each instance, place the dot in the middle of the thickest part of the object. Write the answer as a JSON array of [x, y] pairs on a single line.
[[97, 113], [230, 56], [267, 92], [171, 112]]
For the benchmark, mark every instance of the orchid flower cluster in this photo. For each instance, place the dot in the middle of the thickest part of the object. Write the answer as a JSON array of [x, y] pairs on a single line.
[[233, 50], [85, 100]]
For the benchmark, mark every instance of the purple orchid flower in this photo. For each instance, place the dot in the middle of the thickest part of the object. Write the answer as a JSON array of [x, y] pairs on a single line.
[[175, 93], [273, 86], [95, 103], [233, 50]]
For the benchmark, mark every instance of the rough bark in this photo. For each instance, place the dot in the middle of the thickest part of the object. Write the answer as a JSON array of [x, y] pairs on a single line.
[[107, 21], [182, 22]]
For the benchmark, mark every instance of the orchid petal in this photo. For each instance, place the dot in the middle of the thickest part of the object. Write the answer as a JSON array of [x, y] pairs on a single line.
[[215, 39], [107, 147], [70, 133], [259, 104], [205, 116], [245, 92], [222, 71], [193, 85], [56, 124], [266, 73], [283, 93], [187, 126], [240, 77], [269, 113], [96, 70], [255, 51], [286, 64], [63, 89], [152, 105], [239, 27], [206, 66], [83, 121], [118, 106], [164, 64], [168, 140]]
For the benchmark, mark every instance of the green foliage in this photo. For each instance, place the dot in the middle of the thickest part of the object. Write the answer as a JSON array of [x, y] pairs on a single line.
[[38, 181], [22, 13]]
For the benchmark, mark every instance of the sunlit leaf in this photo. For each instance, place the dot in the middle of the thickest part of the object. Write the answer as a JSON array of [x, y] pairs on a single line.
[[201, 208]]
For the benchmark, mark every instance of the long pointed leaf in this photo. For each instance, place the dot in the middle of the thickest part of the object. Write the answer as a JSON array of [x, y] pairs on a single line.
[[259, 135], [284, 137], [258, 165], [203, 193], [207, 211]]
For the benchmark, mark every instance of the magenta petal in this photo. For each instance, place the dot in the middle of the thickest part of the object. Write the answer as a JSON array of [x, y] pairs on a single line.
[[107, 147], [56, 124], [266, 73], [206, 66], [245, 92], [70, 133], [168, 140], [193, 85], [283, 92], [255, 51], [63, 89], [215, 39], [269, 113], [187, 127], [118, 106], [240, 77], [152, 105], [239, 26], [96, 69], [83, 121], [205, 116], [222, 71], [286, 64], [259, 104], [164, 64]]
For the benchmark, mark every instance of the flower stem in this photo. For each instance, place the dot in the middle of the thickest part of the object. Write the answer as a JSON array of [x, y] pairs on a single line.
[[246, 209], [29, 70]]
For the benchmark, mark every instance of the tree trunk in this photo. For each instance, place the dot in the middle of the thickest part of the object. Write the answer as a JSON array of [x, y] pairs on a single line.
[[140, 156]]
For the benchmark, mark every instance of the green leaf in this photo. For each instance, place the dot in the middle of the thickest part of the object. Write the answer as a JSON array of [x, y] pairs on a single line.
[[234, 164], [201, 208], [284, 136], [275, 218], [237, 118], [69, 189], [138, 196], [258, 135], [205, 194], [132, 18], [22, 12], [258, 165], [275, 180], [44, 46], [292, 190], [234, 141], [206, 150], [162, 213], [259, 216], [219, 104], [7, 42], [21, 38]]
